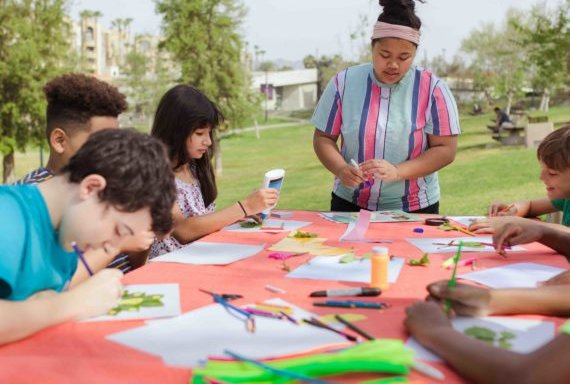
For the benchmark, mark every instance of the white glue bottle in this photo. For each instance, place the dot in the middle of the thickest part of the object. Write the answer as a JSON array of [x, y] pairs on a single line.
[[273, 179]]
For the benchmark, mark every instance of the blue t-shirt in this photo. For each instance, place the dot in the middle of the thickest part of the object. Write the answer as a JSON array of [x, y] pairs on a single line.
[[31, 258]]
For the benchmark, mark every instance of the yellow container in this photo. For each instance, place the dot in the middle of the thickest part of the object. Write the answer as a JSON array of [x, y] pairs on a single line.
[[379, 268]]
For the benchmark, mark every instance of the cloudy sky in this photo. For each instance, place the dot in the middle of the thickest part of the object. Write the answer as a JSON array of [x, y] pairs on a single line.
[[292, 29]]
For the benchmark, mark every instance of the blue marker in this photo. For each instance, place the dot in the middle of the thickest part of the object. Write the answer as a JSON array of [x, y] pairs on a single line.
[[79, 253], [351, 304]]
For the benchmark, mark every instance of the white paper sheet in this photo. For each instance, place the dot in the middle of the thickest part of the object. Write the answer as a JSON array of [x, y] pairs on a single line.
[[529, 334], [519, 275], [205, 253], [437, 245], [288, 225], [329, 268], [465, 220], [170, 299], [186, 340]]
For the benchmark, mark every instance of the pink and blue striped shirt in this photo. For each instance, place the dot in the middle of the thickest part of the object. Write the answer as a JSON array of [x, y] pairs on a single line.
[[387, 121]]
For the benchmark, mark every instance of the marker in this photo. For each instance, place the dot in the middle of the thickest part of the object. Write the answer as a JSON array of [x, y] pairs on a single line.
[[79, 253], [351, 304], [355, 165], [451, 283], [364, 291], [428, 370]]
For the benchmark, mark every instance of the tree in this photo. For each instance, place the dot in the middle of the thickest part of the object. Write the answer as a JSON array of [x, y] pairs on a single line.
[[498, 64], [204, 38], [33, 47], [327, 67], [547, 38]]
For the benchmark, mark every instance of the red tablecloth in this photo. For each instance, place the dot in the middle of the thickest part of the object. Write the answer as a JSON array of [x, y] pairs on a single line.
[[79, 352]]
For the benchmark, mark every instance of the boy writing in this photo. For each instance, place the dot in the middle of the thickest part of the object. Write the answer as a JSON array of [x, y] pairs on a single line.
[[554, 157], [118, 184]]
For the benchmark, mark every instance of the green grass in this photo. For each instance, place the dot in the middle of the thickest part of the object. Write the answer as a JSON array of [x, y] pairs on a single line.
[[482, 172]]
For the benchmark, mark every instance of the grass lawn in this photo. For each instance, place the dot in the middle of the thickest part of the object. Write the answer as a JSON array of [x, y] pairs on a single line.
[[482, 172]]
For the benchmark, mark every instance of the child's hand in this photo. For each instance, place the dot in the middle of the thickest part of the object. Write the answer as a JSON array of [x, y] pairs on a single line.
[[489, 225], [138, 242], [466, 300], [560, 279], [502, 209], [381, 169], [516, 230], [96, 295], [350, 176], [259, 200], [423, 318]]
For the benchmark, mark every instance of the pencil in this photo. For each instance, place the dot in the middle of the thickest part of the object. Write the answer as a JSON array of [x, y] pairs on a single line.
[[353, 327], [453, 276], [507, 209], [79, 254]]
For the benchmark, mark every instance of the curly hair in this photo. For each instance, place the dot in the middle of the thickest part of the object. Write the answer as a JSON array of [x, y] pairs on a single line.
[[401, 12], [74, 98], [136, 169], [554, 150]]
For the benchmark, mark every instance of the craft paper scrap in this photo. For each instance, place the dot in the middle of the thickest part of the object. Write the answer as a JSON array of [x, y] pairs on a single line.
[[205, 253], [269, 225], [311, 245], [518, 275], [466, 221], [356, 231], [186, 340], [145, 301], [450, 244], [517, 335], [330, 268], [377, 217]]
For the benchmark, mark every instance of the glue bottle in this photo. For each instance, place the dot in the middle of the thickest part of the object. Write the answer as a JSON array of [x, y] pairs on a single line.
[[379, 268]]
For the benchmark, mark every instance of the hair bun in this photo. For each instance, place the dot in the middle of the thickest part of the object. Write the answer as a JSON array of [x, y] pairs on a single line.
[[398, 5]]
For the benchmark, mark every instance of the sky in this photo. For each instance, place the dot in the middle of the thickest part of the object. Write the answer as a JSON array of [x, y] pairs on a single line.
[[292, 29]]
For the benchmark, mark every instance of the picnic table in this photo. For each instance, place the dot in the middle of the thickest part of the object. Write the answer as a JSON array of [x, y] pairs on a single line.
[[78, 352]]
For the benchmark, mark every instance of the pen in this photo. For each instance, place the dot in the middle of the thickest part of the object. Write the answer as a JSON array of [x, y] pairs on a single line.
[[351, 304], [79, 254], [317, 323], [355, 165], [363, 291], [353, 327], [453, 276]]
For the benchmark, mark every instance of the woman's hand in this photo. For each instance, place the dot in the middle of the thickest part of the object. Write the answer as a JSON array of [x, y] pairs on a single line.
[[380, 170], [350, 176]]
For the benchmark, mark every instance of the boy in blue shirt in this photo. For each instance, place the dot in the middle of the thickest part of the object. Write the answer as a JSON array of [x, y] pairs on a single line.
[[118, 184]]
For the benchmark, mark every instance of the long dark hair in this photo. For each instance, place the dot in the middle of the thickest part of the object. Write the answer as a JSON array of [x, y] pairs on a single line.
[[401, 12], [181, 111]]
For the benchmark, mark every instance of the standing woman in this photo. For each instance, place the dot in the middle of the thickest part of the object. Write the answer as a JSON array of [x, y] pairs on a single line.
[[398, 123]]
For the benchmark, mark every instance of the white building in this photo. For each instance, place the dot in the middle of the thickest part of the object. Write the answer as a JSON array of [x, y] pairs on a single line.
[[287, 90]]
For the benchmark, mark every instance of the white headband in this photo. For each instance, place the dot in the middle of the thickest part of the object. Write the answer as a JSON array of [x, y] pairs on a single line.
[[382, 29]]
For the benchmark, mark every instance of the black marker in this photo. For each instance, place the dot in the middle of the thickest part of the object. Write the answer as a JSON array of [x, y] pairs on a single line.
[[365, 291]]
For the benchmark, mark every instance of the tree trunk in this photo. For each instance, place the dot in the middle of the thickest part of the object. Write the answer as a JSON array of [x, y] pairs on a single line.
[[545, 100], [218, 159], [509, 103], [8, 167]]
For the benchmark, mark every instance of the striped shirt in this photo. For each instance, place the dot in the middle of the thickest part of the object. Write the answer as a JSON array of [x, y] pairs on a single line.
[[121, 261], [387, 121]]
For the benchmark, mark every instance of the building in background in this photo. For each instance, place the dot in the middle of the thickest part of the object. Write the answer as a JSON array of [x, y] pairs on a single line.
[[287, 90]]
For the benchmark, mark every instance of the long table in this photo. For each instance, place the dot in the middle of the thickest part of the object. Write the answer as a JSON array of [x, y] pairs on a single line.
[[79, 352]]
